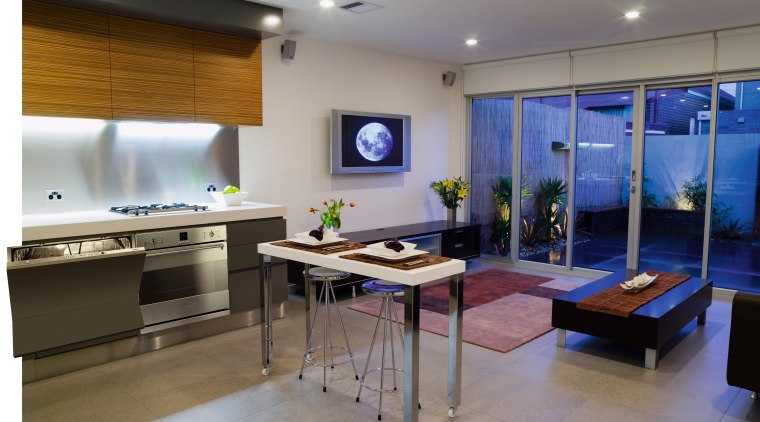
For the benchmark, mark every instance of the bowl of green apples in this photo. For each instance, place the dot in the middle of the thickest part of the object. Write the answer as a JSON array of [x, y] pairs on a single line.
[[230, 196]]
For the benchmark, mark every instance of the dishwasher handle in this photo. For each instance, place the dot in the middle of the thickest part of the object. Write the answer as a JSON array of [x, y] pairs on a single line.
[[185, 249]]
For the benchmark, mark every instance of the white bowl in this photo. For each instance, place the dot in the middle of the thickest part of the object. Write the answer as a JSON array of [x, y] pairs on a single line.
[[380, 249], [229, 199]]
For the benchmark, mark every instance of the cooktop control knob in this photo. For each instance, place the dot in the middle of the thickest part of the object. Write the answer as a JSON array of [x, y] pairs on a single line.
[[211, 233]]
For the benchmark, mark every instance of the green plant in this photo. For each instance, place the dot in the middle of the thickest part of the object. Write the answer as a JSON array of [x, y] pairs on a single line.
[[451, 191], [733, 229], [648, 199], [552, 192], [330, 216], [695, 193], [670, 201], [529, 233], [501, 228]]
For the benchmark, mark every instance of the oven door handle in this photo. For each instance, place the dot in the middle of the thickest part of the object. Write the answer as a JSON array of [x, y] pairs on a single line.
[[184, 250]]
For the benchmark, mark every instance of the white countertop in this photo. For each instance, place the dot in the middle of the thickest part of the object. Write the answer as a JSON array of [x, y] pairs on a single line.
[[413, 277], [96, 222]]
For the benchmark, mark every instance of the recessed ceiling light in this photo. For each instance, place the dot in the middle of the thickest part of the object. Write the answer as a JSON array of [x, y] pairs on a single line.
[[682, 100], [633, 14], [471, 42], [327, 3], [663, 95], [272, 20], [624, 98], [705, 106]]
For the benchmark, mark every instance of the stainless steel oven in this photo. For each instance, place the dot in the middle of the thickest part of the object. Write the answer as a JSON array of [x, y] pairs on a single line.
[[185, 276]]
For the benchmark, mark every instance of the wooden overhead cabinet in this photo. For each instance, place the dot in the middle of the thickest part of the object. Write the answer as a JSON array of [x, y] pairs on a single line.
[[151, 70], [66, 66], [227, 79], [78, 63]]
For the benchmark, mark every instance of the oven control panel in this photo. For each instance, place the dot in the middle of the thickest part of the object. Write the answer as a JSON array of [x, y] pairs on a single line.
[[181, 237]]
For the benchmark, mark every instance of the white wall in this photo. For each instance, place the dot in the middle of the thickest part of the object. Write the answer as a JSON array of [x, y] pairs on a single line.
[[286, 161]]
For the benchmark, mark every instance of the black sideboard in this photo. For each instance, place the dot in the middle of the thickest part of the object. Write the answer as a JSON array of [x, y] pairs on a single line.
[[461, 242]]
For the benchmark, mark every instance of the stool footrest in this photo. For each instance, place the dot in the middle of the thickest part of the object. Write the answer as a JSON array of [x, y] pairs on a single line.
[[363, 382], [312, 351]]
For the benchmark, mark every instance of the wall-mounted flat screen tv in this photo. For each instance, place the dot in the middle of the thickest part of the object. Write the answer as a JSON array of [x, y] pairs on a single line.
[[370, 142]]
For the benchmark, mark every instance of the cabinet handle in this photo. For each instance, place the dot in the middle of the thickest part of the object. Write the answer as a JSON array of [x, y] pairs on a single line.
[[459, 245]]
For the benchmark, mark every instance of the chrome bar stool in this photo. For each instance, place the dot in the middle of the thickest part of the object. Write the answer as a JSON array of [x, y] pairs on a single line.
[[387, 291], [326, 295]]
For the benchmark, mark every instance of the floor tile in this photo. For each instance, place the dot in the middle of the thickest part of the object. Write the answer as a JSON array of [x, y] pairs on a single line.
[[219, 379]]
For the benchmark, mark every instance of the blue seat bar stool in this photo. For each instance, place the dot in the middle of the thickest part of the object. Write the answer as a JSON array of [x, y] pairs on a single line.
[[326, 294], [387, 291]]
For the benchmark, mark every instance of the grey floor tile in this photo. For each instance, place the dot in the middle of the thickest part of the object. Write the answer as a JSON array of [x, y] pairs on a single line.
[[219, 379]]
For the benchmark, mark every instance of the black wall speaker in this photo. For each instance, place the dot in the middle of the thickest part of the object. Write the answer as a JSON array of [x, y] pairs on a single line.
[[288, 50], [449, 78]]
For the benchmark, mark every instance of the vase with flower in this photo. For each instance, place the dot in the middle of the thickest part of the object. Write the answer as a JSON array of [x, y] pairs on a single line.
[[330, 214], [451, 192]]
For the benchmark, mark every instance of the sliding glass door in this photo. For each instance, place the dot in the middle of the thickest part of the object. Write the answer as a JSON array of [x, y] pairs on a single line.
[[545, 144], [674, 185], [734, 256], [491, 172], [603, 129]]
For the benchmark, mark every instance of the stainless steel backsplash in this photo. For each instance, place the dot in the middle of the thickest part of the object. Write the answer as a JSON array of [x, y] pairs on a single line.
[[99, 164]]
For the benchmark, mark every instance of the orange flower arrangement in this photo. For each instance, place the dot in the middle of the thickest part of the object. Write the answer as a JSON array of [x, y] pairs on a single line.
[[331, 215]]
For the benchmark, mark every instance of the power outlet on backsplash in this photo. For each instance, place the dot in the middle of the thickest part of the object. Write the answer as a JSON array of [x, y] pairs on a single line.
[[54, 194], [211, 187]]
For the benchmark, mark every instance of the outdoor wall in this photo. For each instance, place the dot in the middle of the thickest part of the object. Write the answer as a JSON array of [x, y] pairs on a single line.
[[286, 161], [603, 180]]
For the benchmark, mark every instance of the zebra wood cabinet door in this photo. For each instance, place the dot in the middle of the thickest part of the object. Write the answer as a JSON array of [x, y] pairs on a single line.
[[66, 68], [151, 70], [227, 79]]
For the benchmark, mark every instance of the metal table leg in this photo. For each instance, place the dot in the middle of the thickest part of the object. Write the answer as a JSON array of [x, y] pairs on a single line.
[[411, 352], [561, 337], [650, 359], [456, 302], [265, 292], [307, 305]]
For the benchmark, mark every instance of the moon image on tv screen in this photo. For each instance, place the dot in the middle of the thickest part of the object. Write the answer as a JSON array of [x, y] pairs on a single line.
[[374, 141]]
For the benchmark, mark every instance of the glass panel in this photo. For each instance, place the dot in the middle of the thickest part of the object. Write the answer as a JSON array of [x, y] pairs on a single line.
[[545, 146], [734, 261], [492, 171], [674, 185], [602, 182]]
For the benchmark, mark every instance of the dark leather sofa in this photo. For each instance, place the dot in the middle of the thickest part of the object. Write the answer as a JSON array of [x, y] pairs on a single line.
[[743, 369]]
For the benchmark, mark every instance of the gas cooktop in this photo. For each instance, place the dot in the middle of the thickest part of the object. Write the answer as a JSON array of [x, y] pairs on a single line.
[[133, 210]]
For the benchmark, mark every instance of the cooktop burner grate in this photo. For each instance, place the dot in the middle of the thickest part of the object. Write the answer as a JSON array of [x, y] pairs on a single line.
[[133, 210]]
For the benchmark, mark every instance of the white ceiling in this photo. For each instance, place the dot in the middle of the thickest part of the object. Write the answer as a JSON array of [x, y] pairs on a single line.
[[436, 30]]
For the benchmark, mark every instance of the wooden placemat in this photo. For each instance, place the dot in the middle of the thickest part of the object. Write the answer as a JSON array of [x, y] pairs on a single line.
[[399, 265], [616, 301], [322, 250]]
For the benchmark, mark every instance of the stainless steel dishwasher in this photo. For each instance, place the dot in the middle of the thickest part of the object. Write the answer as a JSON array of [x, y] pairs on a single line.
[[185, 276], [69, 292]]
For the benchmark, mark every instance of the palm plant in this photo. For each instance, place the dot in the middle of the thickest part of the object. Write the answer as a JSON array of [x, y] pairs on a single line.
[[552, 192], [529, 233], [501, 226]]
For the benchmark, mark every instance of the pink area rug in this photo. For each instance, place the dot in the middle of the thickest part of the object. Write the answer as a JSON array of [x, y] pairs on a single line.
[[502, 309]]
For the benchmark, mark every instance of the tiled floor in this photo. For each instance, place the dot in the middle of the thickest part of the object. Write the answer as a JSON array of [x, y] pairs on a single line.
[[219, 378]]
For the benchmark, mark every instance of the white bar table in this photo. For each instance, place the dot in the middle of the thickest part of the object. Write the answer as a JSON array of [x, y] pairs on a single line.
[[412, 280]]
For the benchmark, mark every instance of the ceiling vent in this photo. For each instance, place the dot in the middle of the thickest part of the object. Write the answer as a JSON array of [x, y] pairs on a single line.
[[360, 7]]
